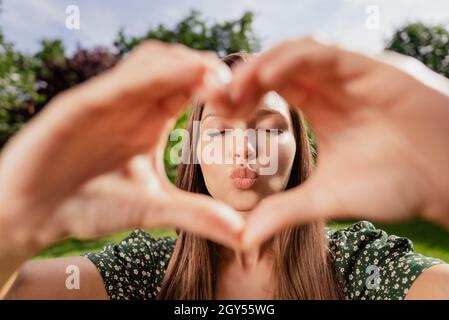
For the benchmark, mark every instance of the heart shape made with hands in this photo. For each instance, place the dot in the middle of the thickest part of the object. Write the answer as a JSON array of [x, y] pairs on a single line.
[[104, 184]]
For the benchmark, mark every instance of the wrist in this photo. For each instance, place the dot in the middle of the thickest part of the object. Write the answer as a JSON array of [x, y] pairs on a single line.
[[12, 255], [13, 252], [17, 242]]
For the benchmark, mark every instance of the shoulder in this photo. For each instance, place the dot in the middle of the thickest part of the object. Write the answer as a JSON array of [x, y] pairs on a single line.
[[372, 264], [432, 284], [134, 268]]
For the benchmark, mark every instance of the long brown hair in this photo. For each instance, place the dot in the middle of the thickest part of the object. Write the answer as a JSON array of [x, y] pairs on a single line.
[[303, 267]]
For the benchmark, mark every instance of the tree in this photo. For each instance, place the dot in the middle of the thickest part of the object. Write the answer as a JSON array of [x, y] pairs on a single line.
[[52, 72], [427, 43], [57, 73], [17, 89], [193, 31]]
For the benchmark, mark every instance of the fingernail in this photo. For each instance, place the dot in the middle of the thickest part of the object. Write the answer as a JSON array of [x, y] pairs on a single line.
[[220, 75], [225, 75], [213, 82]]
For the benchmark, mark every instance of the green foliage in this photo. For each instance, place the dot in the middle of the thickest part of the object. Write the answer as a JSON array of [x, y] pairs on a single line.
[[429, 44], [170, 164], [52, 51], [195, 32], [28, 83], [74, 247], [313, 142], [56, 72], [428, 239], [52, 72], [17, 89]]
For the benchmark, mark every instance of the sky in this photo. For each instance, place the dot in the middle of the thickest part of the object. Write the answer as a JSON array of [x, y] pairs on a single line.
[[363, 25]]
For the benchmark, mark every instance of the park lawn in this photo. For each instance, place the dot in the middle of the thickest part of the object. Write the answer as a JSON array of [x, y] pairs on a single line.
[[75, 247], [427, 238]]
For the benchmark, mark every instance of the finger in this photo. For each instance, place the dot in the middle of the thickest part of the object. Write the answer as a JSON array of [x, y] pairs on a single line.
[[198, 214], [246, 78], [138, 169], [245, 91], [159, 70], [309, 58], [169, 206], [305, 64], [297, 206], [249, 82], [308, 62], [111, 204], [218, 75], [172, 105], [195, 213], [295, 94], [215, 85]]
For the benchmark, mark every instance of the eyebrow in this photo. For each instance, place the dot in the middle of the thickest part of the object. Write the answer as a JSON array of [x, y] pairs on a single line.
[[259, 114], [266, 112]]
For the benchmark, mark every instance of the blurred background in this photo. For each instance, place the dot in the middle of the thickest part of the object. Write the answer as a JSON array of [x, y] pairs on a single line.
[[47, 46]]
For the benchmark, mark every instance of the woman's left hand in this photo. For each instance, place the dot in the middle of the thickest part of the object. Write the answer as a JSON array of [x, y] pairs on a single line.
[[382, 135]]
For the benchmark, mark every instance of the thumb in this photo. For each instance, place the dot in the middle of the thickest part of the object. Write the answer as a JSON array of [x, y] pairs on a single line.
[[195, 213], [296, 206]]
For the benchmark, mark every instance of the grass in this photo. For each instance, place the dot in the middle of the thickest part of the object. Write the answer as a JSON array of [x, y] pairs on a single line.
[[427, 238], [75, 247]]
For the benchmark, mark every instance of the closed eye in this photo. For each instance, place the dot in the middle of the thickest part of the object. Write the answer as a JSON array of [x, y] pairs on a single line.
[[271, 130], [215, 132]]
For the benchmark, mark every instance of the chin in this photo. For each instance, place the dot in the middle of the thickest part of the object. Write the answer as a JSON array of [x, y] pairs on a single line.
[[244, 202]]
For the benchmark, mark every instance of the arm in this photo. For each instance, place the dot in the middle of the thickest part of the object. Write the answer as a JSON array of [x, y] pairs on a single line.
[[381, 126], [432, 284], [65, 175], [48, 279]]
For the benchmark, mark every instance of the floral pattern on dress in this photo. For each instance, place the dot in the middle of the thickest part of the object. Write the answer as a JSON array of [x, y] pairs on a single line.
[[369, 263]]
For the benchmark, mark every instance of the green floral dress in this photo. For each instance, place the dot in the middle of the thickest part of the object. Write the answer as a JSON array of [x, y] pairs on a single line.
[[369, 263]]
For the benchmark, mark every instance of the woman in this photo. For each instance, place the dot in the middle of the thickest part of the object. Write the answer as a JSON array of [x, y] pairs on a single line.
[[296, 264]]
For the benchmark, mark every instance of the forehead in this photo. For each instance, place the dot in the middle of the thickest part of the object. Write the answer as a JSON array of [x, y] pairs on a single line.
[[270, 101]]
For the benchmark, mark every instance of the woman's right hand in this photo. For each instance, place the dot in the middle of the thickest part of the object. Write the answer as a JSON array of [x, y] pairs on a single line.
[[77, 168], [382, 127]]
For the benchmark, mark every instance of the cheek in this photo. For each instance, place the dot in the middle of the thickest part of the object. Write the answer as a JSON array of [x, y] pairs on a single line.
[[281, 162], [287, 151], [214, 173]]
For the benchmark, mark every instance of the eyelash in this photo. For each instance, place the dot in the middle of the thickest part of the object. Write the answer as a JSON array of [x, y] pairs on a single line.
[[221, 132], [279, 131], [216, 133]]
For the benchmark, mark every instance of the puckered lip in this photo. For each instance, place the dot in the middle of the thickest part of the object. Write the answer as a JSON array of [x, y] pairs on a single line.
[[243, 178], [243, 173]]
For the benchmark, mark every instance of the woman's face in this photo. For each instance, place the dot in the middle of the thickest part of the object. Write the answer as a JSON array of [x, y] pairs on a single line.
[[242, 161]]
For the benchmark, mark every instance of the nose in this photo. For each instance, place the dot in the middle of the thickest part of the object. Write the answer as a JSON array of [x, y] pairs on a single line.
[[244, 148]]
